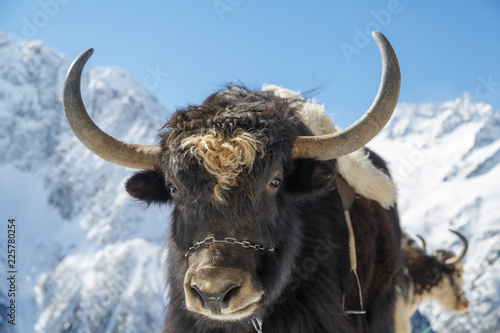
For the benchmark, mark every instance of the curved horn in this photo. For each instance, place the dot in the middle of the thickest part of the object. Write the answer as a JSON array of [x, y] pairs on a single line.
[[112, 150], [453, 260], [424, 245], [330, 146]]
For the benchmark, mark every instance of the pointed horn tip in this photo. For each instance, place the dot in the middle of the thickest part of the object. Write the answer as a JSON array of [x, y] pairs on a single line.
[[456, 233], [83, 57], [377, 35], [89, 51], [76, 68]]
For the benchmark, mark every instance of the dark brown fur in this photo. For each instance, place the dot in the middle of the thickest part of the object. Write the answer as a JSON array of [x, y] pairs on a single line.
[[427, 270], [427, 277]]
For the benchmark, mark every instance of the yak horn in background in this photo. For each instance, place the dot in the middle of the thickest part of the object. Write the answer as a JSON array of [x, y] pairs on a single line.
[[465, 246], [424, 245]]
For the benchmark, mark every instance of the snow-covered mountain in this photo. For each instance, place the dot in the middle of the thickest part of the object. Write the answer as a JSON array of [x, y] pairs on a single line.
[[89, 258]]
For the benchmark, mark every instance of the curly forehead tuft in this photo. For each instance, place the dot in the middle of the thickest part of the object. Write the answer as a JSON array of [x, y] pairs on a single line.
[[225, 157]]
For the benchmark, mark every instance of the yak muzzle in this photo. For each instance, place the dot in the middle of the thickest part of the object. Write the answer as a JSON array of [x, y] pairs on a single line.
[[221, 293], [462, 305]]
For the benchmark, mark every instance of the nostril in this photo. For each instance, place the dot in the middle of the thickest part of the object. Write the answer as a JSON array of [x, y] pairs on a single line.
[[215, 301], [198, 294], [229, 294]]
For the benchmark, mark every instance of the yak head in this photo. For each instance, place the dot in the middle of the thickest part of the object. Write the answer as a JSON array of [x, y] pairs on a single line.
[[234, 168], [226, 166], [439, 276]]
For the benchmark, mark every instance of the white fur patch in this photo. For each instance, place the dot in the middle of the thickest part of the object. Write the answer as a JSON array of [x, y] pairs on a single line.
[[359, 172]]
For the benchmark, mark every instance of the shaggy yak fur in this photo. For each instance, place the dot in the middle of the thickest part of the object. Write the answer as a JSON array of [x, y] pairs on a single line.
[[227, 169], [427, 277]]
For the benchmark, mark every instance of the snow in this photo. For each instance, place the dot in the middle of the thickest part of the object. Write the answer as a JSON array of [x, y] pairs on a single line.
[[90, 257], [87, 254]]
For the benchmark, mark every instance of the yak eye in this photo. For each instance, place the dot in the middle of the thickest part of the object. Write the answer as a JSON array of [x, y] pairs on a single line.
[[173, 189], [275, 183]]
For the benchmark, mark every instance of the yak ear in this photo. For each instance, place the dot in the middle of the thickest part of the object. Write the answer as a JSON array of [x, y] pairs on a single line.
[[311, 178], [148, 186]]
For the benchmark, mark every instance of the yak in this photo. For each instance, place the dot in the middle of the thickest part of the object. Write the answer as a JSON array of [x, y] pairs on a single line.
[[437, 277], [263, 231]]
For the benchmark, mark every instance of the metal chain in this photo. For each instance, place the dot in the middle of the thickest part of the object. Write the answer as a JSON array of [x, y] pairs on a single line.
[[228, 240], [257, 324]]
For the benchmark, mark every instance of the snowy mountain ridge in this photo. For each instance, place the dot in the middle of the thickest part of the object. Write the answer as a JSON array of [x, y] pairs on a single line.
[[79, 231], [90, 257]]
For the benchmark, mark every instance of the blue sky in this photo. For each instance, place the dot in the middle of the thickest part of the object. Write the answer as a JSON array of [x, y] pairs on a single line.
[[184, 50]]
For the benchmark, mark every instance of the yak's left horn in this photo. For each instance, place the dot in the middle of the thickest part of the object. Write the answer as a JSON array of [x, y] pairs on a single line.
[[330, 146], [112, 150], [453, 260]]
